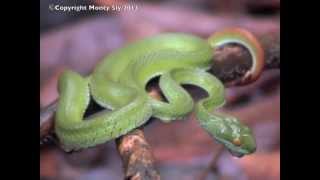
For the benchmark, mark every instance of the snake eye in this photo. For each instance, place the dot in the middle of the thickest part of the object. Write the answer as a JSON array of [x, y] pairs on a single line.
[[236, 142]]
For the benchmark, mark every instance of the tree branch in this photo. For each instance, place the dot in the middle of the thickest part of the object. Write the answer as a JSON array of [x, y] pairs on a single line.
[[137, 157]]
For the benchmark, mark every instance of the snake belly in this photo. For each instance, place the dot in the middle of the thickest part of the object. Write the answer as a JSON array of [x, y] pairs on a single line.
[[119, 83]]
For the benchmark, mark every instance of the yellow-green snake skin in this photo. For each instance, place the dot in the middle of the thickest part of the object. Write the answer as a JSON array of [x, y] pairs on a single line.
[[118, 83]]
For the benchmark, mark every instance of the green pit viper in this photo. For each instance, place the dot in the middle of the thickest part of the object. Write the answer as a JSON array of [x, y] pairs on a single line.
[[118, 83]]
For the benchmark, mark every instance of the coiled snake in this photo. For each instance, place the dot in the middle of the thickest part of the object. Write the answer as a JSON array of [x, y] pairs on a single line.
[[118, 83]]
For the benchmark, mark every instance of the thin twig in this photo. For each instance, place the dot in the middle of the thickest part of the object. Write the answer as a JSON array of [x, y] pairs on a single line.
[[47, 122], [213, 163]]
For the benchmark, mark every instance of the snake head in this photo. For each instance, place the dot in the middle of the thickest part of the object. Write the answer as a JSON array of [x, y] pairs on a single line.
[[237, 138], [234, 135], [241, 145]]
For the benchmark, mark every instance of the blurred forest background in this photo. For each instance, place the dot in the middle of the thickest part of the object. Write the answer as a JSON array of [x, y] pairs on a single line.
[[182, 150]]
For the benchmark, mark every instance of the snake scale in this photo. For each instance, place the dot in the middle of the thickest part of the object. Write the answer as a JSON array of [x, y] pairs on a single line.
[[119, 81]]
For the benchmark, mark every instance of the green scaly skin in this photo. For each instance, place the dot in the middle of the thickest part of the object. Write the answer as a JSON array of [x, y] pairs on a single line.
[[119, 81]]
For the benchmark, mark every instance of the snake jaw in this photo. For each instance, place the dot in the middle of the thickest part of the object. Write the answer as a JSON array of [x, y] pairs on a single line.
[[247, 146]]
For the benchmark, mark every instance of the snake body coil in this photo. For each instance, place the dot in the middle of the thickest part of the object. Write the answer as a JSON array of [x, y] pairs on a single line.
[[119, 81]]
